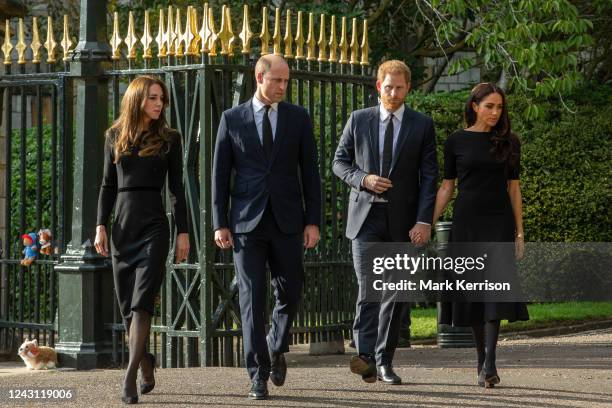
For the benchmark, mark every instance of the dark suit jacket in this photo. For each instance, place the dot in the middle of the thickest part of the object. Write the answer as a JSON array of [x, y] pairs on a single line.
[[238, 150], [414, 170]]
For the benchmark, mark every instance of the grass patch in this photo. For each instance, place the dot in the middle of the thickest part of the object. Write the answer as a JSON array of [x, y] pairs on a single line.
[[424, 321]]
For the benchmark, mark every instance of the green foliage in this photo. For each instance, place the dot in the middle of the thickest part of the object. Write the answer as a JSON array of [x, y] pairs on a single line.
[[566, 160]]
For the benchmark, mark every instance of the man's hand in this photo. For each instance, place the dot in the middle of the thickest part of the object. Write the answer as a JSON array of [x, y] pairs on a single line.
[[223, 238], [420, 234], [376, 183], [311, 236]]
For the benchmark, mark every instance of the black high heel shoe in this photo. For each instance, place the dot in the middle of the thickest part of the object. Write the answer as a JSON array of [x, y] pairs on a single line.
[[147, 388], [488, 380], [129, 399]]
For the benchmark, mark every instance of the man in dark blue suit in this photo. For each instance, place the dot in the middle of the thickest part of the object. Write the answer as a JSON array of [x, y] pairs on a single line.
[[387, 155], [268, 147]]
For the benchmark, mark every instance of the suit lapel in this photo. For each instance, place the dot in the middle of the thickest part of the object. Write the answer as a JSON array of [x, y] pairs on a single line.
[[253, 135], [282, 119], [374, 129], [404, 133]]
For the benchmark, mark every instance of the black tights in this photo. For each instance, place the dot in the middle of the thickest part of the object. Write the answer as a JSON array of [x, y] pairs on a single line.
[[485, 337], [138, 329]]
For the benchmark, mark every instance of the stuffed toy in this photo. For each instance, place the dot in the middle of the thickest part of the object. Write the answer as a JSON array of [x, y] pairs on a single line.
[[31, 248], [44, 239]]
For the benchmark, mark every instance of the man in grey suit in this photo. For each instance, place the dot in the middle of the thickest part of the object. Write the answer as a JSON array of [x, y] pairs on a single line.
[[387, 155]]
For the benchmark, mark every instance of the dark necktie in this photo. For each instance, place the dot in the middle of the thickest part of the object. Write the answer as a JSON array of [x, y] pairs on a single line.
[[387, 149], [268, 141]]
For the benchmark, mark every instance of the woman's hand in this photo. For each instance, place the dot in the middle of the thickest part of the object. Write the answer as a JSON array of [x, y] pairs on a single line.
[[182, 247], [519, 247], [101, 241]]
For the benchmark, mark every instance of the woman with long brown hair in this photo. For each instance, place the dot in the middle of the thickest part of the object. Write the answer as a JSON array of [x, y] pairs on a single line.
[[484, 159], [140, 149]]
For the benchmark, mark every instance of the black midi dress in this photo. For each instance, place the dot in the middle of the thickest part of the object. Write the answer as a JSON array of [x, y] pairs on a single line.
[[140, 236], [482, 212]]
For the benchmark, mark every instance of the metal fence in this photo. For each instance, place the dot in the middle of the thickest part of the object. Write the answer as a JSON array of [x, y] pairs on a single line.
[[197, 319]]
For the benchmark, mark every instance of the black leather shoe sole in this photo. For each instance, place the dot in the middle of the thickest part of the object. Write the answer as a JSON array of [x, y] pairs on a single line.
[[359, 365]]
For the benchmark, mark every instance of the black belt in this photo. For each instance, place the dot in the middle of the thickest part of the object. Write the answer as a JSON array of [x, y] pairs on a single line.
[[140, 188]]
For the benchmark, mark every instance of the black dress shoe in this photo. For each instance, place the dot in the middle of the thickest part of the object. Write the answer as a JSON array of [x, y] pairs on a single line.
[[364, 366], [146, 388], [386, 374], [278, 368], [259, 390]]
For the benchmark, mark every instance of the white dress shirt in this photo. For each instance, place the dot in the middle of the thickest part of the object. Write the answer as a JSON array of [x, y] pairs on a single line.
[[259, 110]]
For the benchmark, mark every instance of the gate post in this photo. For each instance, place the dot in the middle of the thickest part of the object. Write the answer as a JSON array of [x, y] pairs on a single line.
[[85, 284]]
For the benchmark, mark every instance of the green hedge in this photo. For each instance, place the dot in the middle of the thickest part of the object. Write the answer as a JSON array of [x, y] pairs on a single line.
[[566, 160]]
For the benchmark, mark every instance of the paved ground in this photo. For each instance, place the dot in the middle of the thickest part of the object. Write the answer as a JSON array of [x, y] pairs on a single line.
[[564, 371]]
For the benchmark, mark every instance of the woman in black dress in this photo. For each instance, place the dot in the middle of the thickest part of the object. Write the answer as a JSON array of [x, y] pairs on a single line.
[[139, 151], [484, 158]]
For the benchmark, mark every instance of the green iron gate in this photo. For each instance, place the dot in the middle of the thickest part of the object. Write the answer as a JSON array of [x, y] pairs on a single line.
[[197, 319]]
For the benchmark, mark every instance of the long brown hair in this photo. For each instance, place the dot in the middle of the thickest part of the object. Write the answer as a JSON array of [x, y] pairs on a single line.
[[126, 131], [505, 143]]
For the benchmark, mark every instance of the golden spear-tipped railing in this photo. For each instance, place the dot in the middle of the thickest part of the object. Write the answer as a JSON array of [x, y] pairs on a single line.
[[226, 34], [344, 45], [322, 43], [178, 36], [21, 45], [264, 36], [131, 39], [246, 34], [160, 39], [116, 39], [66, 42], [310, 41], [35, 45], [147, 38], [288, 39], [7, 47], [354, 44], [333, 42], [276, 38], [364, 44], [50, 43]]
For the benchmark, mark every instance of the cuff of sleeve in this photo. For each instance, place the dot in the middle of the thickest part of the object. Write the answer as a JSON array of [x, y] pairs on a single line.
[[361, 186], [424, 223]]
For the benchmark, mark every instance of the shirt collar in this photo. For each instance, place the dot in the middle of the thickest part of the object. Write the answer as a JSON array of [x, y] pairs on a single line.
[[259, 105], [384, 114]]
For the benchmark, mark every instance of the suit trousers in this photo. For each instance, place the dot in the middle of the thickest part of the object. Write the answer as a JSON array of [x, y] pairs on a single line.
[[377, 324], [284, 255]]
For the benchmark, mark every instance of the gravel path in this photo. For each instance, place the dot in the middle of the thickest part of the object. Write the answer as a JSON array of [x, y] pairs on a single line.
[[563, 371]]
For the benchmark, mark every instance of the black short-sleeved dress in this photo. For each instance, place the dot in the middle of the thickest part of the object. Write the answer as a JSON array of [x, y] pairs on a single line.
[[140, 236], [482, 212]]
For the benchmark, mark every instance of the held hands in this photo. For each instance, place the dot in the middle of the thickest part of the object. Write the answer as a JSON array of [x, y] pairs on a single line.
[[182, 247], [376, 183], [311, 236], [101, 241], [420, 234], [223, 238]]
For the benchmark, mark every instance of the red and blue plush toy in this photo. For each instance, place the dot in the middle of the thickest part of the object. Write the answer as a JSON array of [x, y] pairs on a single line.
[[30, 252]]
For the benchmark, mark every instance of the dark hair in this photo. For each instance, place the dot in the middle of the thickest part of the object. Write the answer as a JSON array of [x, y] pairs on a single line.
[[505, 143]]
